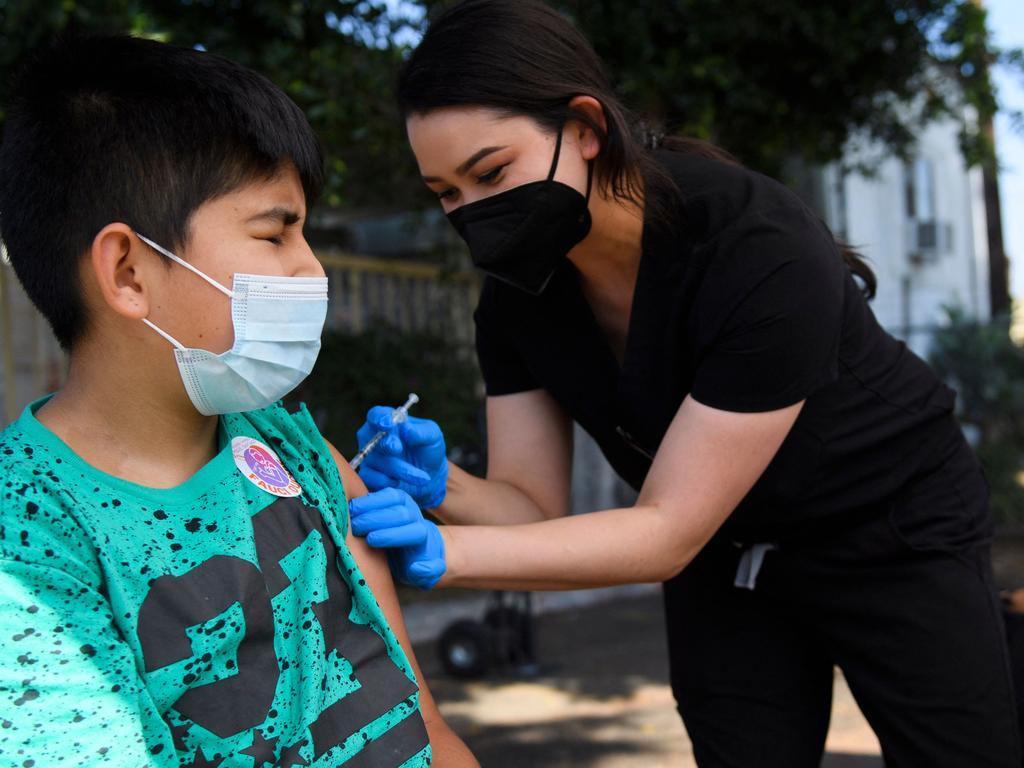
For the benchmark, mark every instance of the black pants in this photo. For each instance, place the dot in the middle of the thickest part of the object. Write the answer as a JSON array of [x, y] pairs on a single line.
[[1015, 639], [902, 601]]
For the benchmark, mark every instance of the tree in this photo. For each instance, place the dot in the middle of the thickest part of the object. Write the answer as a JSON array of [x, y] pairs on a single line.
[[987, 369], [336, 58], [770, 81]]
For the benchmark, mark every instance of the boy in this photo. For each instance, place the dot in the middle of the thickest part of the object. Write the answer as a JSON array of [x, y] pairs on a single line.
[[178, 585]]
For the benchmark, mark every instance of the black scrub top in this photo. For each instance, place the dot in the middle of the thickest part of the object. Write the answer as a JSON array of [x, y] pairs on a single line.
[[743, 302]]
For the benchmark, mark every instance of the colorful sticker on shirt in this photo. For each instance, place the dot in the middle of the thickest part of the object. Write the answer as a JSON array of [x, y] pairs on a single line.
[[260, 465]]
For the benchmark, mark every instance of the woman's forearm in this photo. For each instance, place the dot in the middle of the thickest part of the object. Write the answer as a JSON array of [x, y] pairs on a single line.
[[616, 546], [707, 462], [472, 500]]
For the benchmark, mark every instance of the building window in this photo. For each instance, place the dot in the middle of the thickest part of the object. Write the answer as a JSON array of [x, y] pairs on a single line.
[[927, 237], [919, 185]]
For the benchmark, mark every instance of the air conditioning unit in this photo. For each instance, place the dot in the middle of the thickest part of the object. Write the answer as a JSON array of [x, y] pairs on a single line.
[[928, 240]]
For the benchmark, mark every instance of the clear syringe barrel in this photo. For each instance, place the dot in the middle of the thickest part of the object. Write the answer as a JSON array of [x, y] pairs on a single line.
[[397, 417]]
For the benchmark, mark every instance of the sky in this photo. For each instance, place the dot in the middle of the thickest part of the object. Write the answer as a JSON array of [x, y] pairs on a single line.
[[1006, 23]]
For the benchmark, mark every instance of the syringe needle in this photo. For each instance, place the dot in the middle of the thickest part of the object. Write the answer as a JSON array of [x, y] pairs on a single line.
[[397, 417]]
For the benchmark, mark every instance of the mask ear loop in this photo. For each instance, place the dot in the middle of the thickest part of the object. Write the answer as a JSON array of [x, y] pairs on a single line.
[[174, 341], [558, 151], [160, 249], [554, 164]]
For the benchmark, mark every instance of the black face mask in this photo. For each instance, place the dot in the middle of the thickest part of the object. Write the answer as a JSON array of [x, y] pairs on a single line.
[[522, 234]]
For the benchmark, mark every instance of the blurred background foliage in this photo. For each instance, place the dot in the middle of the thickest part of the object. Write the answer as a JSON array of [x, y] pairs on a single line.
[[335, 58], [773, 80], [987, 369], [381, 366], [769, 81]]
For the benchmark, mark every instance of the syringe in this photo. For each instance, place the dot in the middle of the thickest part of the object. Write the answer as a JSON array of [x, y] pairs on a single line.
[[397, 417]]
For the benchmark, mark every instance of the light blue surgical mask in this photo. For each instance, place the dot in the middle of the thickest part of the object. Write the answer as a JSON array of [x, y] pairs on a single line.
[[277, 323]]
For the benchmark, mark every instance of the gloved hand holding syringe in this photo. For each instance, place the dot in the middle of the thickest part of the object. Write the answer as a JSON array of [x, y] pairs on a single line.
[[407, 471], [398, 415], [397, 450]]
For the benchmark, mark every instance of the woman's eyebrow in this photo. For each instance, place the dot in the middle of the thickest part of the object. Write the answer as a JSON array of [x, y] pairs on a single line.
[[477, 156], [463, 169]]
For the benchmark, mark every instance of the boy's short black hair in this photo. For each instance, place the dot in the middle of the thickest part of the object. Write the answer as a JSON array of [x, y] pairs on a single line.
[[105, 129]]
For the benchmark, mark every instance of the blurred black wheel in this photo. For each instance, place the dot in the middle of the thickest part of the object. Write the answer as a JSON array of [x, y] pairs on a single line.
[[465, 649]]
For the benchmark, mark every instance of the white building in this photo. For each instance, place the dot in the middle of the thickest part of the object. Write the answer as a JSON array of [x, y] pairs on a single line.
[[922, 226]]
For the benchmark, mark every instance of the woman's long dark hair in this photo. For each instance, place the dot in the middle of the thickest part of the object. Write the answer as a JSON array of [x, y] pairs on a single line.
[[522, 57]]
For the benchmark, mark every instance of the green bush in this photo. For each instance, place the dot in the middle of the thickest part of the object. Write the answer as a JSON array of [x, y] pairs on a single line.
[[987, 369], [381, 367]]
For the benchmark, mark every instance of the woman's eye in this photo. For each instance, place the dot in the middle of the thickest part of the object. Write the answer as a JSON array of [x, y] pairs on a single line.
[[491, 176], [276, 240], [445, 194]]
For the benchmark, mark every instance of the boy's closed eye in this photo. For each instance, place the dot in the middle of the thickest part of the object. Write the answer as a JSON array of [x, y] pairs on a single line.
[[273, 224]]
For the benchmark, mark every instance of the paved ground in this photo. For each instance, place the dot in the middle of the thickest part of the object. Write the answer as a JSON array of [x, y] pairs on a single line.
[[601, 699]]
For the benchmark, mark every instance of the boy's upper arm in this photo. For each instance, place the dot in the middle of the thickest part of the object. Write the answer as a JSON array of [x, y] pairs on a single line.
[[374, 567], [68, 681], [354, 485]]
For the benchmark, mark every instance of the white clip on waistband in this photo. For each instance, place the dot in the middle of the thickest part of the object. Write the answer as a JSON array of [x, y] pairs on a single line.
[[750, 565]]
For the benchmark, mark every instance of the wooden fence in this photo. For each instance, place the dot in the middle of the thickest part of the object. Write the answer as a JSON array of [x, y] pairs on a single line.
[[411, 296]]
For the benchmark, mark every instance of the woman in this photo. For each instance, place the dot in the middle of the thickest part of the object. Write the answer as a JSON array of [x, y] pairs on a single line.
[[805, 493]]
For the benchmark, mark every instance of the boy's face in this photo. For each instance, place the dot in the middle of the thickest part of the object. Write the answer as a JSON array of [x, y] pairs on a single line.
[[256, 229]]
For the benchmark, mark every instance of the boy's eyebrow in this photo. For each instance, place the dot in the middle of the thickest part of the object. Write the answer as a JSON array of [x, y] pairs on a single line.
[[466, 166], [277, 213]]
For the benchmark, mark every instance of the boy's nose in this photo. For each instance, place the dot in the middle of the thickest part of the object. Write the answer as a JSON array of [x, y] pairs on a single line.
[[307, 264]]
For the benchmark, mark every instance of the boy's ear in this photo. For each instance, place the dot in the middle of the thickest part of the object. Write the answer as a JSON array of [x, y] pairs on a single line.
[[119, 266]]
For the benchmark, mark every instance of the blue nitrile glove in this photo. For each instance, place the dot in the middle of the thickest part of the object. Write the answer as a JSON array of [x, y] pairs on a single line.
[[390, 519], [411, 458]]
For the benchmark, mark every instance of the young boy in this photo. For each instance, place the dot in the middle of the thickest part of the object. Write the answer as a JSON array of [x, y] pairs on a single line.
[[178, 585]]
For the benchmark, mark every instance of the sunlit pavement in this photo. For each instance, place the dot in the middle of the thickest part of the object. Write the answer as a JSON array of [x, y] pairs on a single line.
[[601, 699]]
